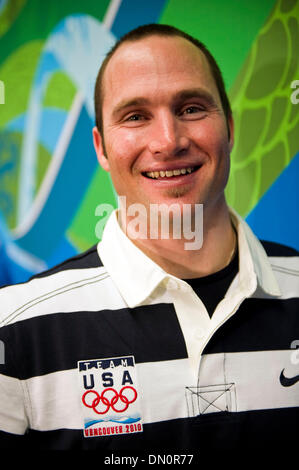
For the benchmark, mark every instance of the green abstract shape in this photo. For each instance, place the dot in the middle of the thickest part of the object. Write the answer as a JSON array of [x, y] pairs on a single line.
[[10, 143], [273, 163], [294, 38], [277, 110], [245, 183], [10, 152], [253, 133], [293, 116], [293, 137], [261, 104], [287, 5], [28, 26], [9, 13], [228, 28], [43, 160], [60, 92], [17, 73], [82, 230], [270, 62]]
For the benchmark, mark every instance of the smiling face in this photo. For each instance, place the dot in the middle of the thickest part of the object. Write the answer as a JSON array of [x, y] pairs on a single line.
[[166, 138]]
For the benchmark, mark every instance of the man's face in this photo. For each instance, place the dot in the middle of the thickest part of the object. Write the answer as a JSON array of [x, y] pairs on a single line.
[[165, 132]]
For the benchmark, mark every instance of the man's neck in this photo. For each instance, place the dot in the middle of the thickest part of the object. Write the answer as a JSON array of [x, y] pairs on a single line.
[[217, 250]]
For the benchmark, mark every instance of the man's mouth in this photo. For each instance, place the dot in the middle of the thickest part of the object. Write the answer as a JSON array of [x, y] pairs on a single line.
[[170, 173]]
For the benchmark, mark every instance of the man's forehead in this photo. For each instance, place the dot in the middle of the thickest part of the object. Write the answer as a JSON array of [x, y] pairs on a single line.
[[157, 41], [140, 54]]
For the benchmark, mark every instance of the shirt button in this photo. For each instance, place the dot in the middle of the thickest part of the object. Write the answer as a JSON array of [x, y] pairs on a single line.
[[172, 284]]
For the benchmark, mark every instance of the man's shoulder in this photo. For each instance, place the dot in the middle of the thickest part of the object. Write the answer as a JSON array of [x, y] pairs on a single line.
[[284, 262], [52, 289], [87, 259], [274, 249]]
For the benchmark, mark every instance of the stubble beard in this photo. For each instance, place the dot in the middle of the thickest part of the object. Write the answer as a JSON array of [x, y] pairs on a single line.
[[176, 192]]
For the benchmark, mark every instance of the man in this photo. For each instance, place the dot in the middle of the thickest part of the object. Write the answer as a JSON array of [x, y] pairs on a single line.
[[145, 342]]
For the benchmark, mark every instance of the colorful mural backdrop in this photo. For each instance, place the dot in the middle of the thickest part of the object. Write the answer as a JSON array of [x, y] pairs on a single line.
[[50, 180]]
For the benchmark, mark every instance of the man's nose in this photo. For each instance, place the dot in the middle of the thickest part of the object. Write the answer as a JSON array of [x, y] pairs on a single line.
[[167, 136]]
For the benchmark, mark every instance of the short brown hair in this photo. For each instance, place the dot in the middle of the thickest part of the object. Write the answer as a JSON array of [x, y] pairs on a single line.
[[158, 30]]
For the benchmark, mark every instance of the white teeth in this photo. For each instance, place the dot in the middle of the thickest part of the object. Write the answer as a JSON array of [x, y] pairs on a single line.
[[169, 173]]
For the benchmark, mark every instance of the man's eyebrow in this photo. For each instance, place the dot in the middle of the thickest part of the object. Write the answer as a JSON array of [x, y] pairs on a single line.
[[195, 93], [124, 104]]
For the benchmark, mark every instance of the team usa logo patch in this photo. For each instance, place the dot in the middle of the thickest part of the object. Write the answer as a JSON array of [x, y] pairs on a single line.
[[109, 396]]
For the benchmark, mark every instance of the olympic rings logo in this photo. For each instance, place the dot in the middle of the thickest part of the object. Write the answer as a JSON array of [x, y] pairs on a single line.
[[113, 400]]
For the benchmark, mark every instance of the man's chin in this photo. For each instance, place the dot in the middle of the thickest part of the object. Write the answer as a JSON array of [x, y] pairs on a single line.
[[176, 193]]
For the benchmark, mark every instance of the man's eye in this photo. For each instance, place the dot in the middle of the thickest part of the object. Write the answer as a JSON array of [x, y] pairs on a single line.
[[192, 110], [134, 117]]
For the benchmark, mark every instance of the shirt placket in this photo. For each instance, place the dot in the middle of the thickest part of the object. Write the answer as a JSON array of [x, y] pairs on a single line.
[[196, 325], [193, 318]]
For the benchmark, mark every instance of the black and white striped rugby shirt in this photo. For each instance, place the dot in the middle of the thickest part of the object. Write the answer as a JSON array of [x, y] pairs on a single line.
[[107, 351]]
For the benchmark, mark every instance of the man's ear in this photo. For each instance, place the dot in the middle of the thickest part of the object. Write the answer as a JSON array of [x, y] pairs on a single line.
[[231, 126], [98, 145]]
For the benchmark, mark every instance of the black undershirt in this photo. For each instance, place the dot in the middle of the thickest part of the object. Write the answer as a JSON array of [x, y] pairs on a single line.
[[212, 288]]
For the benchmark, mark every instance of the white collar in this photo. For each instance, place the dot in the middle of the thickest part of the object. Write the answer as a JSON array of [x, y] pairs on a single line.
[[137, 276]]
